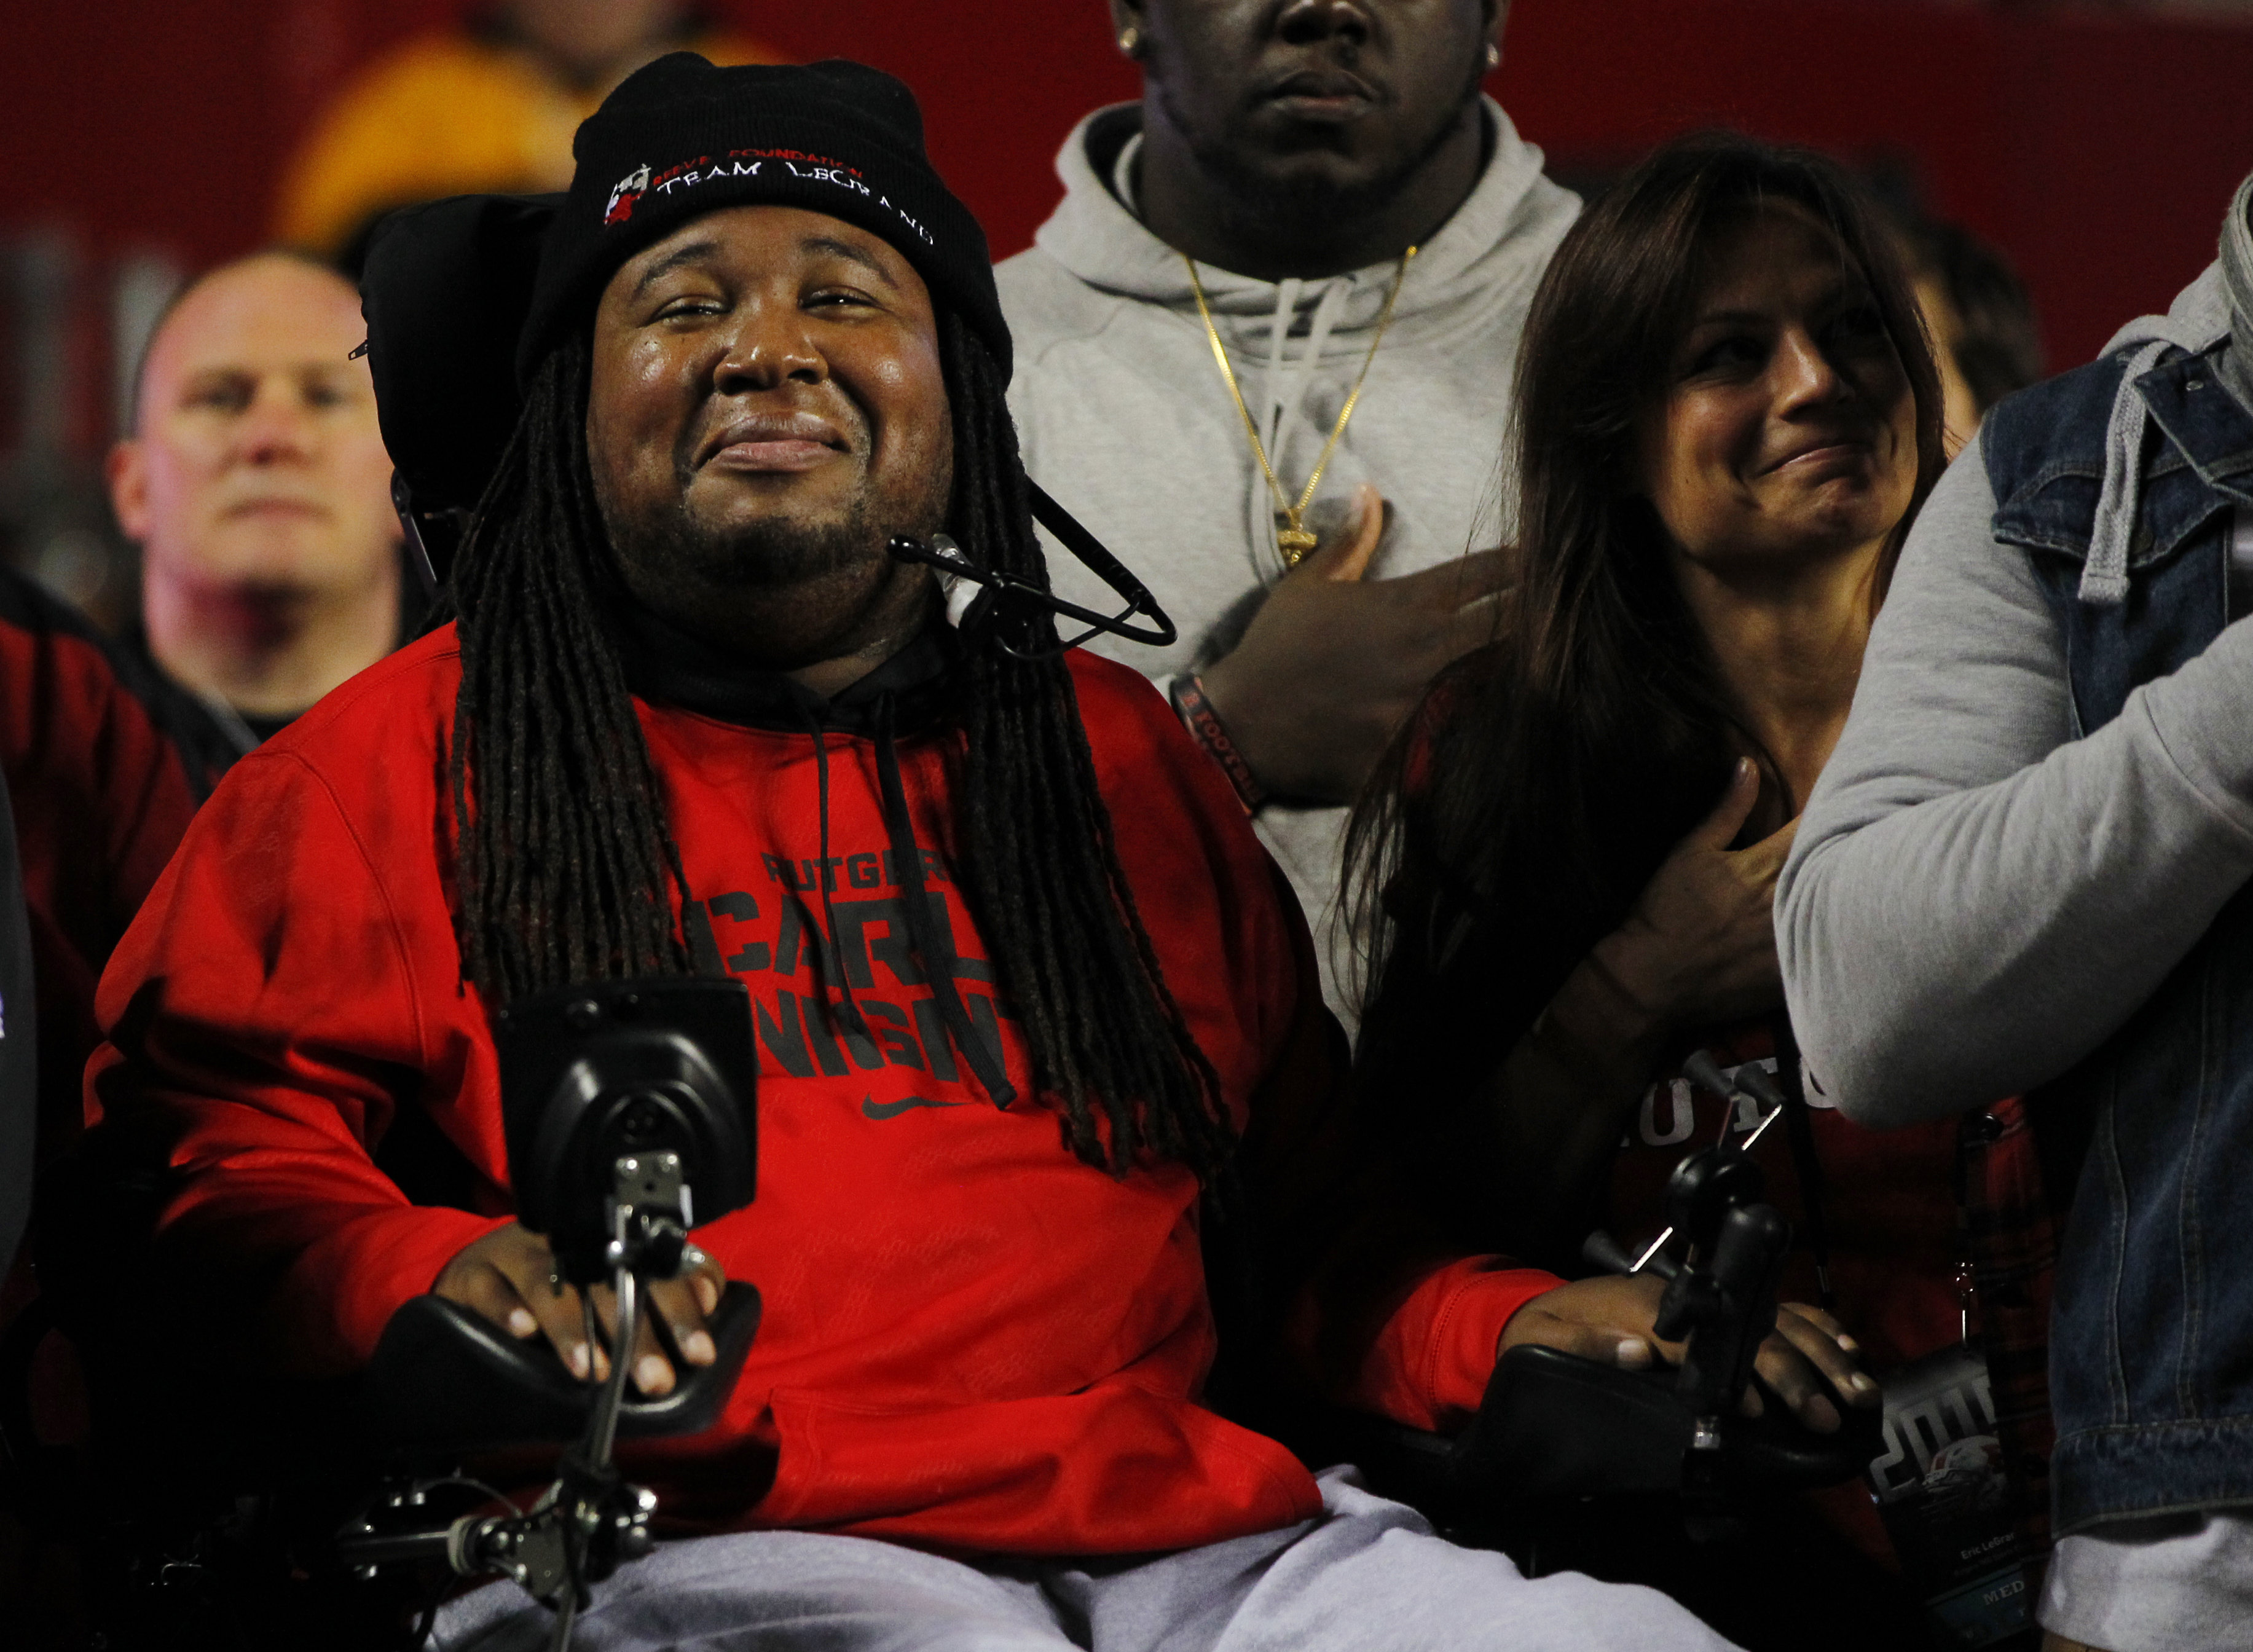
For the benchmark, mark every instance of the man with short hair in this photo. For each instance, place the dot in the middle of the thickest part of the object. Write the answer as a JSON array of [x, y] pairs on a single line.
[[257, 483], [1023, 984], [1316, 195]]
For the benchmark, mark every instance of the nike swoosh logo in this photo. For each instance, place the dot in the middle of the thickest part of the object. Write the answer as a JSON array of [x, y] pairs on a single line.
[[871, 1108]]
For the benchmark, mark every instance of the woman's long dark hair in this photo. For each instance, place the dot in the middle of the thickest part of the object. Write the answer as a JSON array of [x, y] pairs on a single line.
[[567, 867], [1520, 814]]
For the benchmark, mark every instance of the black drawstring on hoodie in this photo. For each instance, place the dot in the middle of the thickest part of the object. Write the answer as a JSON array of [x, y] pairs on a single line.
[[922, 934], [663, 664], [832, 955]]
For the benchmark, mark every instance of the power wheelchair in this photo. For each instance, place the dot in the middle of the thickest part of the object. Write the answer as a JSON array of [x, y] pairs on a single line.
[[255, 1515]]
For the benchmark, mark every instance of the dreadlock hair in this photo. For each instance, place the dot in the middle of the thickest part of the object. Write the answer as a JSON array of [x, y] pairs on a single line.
[[564, 856], [566, 853]]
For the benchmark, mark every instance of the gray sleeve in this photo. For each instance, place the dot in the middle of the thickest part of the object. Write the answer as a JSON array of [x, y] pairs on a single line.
[[1976, 899]]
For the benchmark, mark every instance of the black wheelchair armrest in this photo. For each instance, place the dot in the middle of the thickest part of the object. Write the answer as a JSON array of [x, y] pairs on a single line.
[[446, 1380], [1553, 1427]]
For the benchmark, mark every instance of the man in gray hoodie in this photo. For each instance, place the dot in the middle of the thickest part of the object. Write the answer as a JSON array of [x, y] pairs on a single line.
[[1260, 205], [2025, 870]]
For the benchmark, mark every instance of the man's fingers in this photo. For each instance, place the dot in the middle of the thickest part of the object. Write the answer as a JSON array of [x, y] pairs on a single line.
[[1470, 626], [1820, 1344], [1362, 534], [1346, 557], [1807, 1368], [1822, 1322], [651, 1371], [563, 1318], [679, 1303], [486, 1291], [1456, 583], [682, 1305], [707, 1278], [1609, 1344], [531, 1268], [559, 1318], [1794, 1381], [509, 1277]]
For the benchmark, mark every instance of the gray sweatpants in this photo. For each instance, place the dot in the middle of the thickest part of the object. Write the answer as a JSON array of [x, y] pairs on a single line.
[[1366, 1576]]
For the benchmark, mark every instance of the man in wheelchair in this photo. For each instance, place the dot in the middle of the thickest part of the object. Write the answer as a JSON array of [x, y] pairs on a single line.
[[1033, 1010]]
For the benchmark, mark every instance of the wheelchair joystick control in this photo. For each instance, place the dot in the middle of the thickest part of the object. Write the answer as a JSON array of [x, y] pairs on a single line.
[[1557, 1432], [628, 1107], [1602, 1252]]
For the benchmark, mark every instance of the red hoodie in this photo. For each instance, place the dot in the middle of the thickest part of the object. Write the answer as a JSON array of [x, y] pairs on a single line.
[[100, 800], [972, 1340]]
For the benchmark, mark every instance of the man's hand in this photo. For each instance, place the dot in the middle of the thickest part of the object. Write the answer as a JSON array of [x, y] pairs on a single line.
[[1807, 1361], [509, 1276], [1700, 944], [1331, 667]]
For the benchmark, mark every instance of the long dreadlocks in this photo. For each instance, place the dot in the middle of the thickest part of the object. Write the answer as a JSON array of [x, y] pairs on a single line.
[[567, 853]]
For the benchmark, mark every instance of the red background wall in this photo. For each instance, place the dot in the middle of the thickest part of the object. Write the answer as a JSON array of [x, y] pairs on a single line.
[[2099, 149]]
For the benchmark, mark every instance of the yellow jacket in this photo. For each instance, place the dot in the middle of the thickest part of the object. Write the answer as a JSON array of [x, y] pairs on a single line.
[[442, 114]]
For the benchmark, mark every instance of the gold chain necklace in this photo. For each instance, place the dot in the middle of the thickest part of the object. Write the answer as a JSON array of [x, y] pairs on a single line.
[[1292, 537]]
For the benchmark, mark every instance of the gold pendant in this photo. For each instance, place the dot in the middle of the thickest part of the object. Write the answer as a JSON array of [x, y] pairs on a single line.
[[1294, 542]]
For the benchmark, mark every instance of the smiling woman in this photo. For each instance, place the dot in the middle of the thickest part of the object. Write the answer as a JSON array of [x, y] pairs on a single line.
[[1727, 413], [1788, 435]]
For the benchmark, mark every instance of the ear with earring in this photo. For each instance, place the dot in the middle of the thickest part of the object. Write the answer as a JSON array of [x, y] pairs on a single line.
[[1493, 55], [1130, 40]]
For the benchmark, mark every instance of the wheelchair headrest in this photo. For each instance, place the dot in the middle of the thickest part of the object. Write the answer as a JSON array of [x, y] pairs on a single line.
[[446, 291]]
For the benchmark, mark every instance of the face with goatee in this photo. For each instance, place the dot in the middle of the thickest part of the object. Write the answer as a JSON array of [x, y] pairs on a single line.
[[765, 409]]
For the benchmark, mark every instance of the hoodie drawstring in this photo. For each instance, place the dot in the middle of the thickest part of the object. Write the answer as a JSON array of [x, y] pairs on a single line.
[[2200, 318], [1290, 400], [1285, 404], [1279, 331], [985, 1062], [1260, 506], [832, 955], [2105, 575], [923, 935]]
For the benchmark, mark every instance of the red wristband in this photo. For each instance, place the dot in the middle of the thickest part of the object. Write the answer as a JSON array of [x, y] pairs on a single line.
[[1207, 730]]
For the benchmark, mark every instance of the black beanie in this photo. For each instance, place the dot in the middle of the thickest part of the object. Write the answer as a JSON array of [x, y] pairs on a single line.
[[464, 297], [680, 138]]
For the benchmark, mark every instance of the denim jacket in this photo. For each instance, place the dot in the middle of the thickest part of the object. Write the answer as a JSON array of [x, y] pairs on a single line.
[[2151, 1350]]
